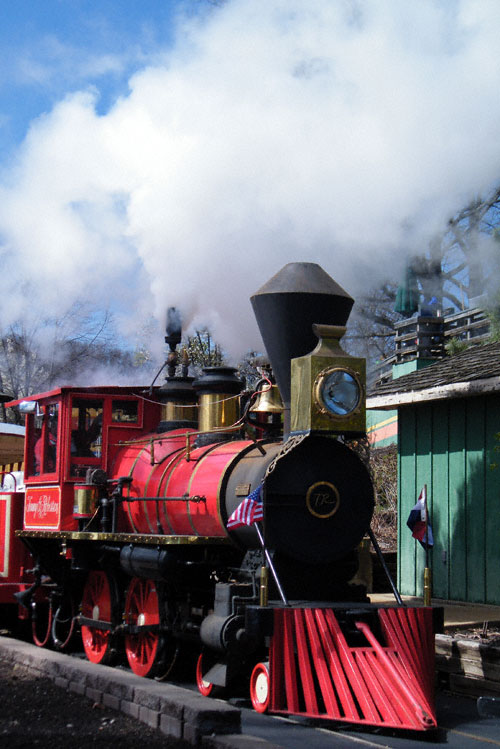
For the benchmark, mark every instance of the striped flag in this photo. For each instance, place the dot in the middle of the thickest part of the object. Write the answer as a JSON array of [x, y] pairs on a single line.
[[417, 522], [249, 511]]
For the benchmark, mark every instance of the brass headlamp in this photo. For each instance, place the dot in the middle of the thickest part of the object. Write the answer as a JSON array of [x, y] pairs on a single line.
[[328, 387]]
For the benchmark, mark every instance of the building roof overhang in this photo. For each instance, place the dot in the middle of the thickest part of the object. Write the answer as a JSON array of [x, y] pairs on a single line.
[[438, 392]]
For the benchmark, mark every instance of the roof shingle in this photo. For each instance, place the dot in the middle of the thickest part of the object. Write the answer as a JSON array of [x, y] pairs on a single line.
[[475, 363]]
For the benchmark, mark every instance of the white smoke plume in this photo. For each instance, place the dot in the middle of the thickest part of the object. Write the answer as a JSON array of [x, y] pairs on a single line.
[[344, 133]]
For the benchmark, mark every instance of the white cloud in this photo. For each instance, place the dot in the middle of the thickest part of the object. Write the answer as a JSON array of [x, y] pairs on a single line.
[[341, 133], [52, 64]]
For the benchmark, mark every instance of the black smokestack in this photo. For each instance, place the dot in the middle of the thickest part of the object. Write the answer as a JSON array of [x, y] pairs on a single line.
[[173, 338], [174, 328], [286, 307]]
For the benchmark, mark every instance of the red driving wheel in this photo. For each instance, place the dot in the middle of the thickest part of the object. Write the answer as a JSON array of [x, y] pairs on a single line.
[[142, 610], [41, 622], [204, 687], [260, 687], [97, 605], [63, 622]]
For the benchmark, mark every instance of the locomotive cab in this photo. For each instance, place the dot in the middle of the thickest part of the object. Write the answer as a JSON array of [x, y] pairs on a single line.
[[70, 432]]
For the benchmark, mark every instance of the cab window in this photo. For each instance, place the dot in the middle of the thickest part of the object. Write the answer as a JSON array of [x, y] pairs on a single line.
[[43, 447], [125, 411], [86, 434]]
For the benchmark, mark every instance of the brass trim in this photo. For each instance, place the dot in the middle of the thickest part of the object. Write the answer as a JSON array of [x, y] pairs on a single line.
[[85, 500], [268, 401], [264, 586], [217, 411], [127, 538], [179, 411], [315, 510]]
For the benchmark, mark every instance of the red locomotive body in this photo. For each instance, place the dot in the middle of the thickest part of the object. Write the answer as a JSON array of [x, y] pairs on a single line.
[[126, 507], [14, 556]]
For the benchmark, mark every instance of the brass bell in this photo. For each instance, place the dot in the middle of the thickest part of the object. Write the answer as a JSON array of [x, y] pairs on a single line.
[[268, 401]]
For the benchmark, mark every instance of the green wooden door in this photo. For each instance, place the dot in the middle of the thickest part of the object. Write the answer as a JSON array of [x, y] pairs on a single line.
[[452, 447]]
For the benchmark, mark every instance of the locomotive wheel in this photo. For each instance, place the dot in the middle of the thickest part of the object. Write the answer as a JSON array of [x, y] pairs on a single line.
[[170, 656], [205, 688], [41, 622], [143, 650], [97, 603], [63, 622], [260, 687]]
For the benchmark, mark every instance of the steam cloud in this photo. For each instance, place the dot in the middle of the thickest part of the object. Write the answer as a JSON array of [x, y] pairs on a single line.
[[343, 133]]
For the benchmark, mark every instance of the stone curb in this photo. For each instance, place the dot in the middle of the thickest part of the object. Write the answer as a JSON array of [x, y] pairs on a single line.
[[177, 712]]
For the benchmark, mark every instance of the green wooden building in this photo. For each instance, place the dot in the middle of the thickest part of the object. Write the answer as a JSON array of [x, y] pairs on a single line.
[[449, 439]]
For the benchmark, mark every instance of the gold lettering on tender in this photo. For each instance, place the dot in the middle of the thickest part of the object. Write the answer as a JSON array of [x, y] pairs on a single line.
[[41, 507]]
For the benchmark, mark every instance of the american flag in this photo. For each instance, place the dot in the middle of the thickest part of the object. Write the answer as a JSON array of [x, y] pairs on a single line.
[[248, 511]]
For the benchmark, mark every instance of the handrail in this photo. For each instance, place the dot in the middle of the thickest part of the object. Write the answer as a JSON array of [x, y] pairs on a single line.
[[9, 473]]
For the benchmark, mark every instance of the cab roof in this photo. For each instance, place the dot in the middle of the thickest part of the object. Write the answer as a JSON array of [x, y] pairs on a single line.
[[95, 390]]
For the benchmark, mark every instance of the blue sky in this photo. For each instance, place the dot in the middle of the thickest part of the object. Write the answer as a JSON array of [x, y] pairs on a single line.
[[53, 47], [163, 153]]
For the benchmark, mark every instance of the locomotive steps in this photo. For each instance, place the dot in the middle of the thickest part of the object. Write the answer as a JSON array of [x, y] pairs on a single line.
[[177, 712]]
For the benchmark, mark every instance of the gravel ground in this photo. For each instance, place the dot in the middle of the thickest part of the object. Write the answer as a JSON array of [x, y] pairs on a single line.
[[34, 712]]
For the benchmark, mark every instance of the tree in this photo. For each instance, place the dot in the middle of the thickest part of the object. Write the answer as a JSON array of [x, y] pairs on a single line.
[[203, 351], [460, 263], [47, 353], [468, 260], [370, 331], [251, 368]]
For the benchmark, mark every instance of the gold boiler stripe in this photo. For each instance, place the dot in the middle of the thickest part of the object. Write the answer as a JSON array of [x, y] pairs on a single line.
[[199, 462], [147, 493], [145, 504], [177, 460], [131, 475], [173, 456]]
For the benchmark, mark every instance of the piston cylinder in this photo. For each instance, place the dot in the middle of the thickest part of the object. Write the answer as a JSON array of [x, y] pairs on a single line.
[[223, 633], [150, 564]]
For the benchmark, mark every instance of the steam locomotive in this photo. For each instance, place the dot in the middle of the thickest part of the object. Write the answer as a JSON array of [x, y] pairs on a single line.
[[120, 532]]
